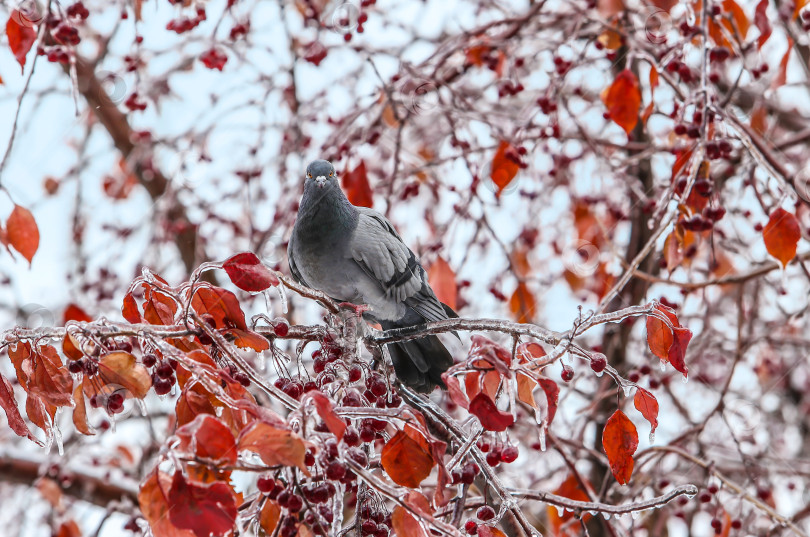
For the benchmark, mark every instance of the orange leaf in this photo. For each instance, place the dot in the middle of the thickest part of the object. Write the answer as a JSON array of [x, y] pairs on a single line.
[[454, 391], [620, 441], [609, 8], [522, 304], [646, 403], [492, 419], [130, 309], [69, 528], [221, 304], [203, 509], [405, 525], [269, 517], [355, 183], [323, 405], [120, 368], [781, 75], [51, 379], [738, 15], [407, 458], [154, 503], [799, 7], [443, 281], [525, 386], [504, 168], [623, 100], [246, 339], [659, 335], [20, 37], [23, 233], [781, 235], [274, 446], [571, 489], [80, 412]]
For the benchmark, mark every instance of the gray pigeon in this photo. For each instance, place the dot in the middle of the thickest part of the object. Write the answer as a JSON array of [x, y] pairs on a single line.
[[353, 254]]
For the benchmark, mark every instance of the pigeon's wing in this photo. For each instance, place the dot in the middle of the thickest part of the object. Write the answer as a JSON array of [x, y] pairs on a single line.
[[291, 254], [379, 250]]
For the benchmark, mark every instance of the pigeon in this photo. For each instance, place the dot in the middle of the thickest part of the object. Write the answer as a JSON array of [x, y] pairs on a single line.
[[354, 254]]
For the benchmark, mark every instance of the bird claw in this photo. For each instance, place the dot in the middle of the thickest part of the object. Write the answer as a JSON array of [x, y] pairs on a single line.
[[358, 310]]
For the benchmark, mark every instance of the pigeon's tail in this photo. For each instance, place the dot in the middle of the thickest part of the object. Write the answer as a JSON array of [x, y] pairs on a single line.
[[419, 363]]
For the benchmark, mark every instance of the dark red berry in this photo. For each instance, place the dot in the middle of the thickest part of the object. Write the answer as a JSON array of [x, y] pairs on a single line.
[[567, 373], [471, 527], [509, 454], [485, 513], [598, 362], [266, 484], [149, 360]]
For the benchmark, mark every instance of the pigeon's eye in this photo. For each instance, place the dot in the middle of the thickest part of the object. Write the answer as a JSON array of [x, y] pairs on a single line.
[[309, 175], [331, 174]]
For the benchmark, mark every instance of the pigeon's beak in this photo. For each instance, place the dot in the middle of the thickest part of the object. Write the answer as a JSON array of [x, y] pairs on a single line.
[[320, 181]]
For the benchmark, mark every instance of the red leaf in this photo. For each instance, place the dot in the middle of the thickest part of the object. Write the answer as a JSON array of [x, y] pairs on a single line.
[[248, 273], [51, 379], [407, 458], [677, 352], [504, 168], [646, 403], [203, 509], [80, 412], [405, 524], [623, 100], [269, 517], [323, 405], [620, 441], [355, 183], [552, 396], [781, 235], [571, 489], [13, 416], [659, 335], [130, 309], [23, 233], [781, 75], [208, 438], [154, 504], [488, 414], [455, 392], [120, 369], [246, 339], [442, 280], [221, 304], [20, 37], [75, 313], [762, 23]]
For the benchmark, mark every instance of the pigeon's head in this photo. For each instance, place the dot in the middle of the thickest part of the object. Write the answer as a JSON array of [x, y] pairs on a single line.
[[321, 173]]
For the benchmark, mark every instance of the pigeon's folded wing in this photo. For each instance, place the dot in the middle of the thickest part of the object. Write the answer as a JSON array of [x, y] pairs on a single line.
[[379, 250], [291, 255]]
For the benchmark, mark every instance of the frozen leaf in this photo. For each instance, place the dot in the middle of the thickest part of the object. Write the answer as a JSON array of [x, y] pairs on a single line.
[[269, 517], [248, 273], [781, 75], [623, 100], [407, 458], [159, 308], [323, 405], [443, 281], [50, 379], [204, 509], [154, 506], [646, 403], [208, 438], [571, 489], [666, 5], [9, 404], [741, 21], [355, 184], [120, 368], [455, 392], [20, 37], [522, 304], [80, 412], [504, 166], [781, 235], [274, 446], [492, 419], [669, 344], [405, 525], [525, 386], [68, 528], [620, 441], [552, 392], [762, 23], [610, 8], [130, 309], [246, 339], [221, 304], [23, 233]]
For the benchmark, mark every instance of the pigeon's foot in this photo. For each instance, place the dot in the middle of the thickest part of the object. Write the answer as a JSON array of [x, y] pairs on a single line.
[[358, 310]]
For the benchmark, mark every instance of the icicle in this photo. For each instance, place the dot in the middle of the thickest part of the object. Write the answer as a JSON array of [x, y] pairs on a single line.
[[635, 514], [628, 389], [652, 437], [57, 435], [141, 407], [267, 303], [662, 365], [262, 361], [560, 510], [283, 296], [542, 436], [684, 379], [606, 515], [112, 422], [593, 512], [599, 373]]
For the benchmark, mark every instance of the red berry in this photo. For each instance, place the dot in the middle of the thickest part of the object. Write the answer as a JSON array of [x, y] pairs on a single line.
[[149, 360], [75, 366], [598, 362], [335, 470], [567, 373], [509, 454], [164, 370], [294, 503], [368, 527], [355, 373], [266, 484], [280, 326], [485, 513], [162, 386], [214, 59], [471, 527]]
